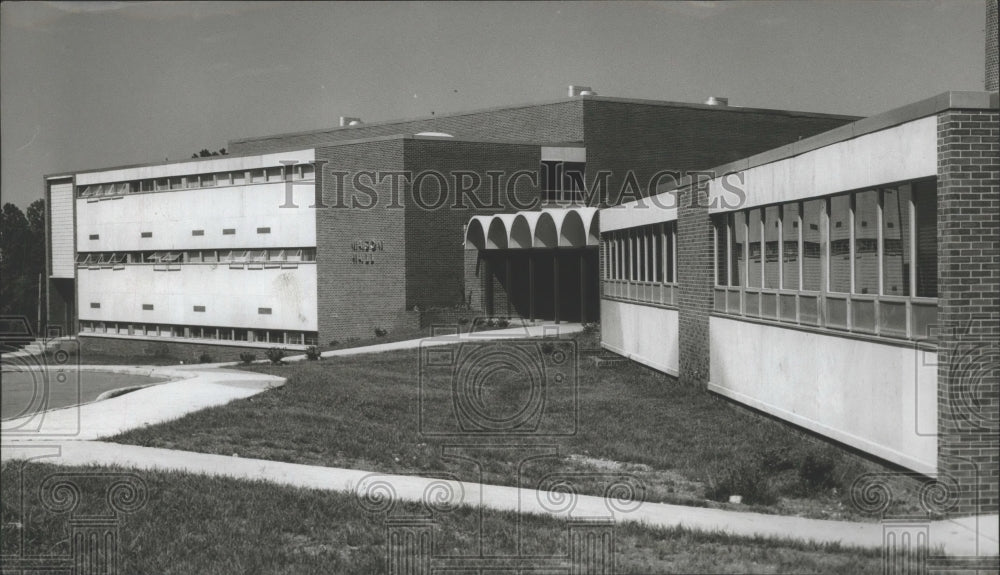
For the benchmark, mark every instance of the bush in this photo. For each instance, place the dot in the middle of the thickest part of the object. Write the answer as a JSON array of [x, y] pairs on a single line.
[[275, 355], [463, 320], [817, 472], [312, 353], [548, 347], [247, 357], [745, 477], [333, 343], [379, 332], [502, 322], [204, 357]]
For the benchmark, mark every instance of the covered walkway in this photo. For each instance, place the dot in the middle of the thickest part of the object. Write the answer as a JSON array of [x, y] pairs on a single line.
[[538, 264]]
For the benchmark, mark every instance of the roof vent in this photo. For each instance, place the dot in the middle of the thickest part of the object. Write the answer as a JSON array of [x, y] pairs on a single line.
[[581, 91], [349, 121], [717, 101]]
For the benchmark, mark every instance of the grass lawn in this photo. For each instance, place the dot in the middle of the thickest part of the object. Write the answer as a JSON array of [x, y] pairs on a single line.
[[195, 524], [683, 444]]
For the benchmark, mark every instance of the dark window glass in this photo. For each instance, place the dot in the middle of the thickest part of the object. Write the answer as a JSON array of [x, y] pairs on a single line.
[[840, 243], [925, 206], [866, 242], [721, 250], [737, 238]]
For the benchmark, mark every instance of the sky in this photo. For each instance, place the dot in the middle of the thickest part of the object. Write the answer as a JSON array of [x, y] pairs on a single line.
[[99, 84]]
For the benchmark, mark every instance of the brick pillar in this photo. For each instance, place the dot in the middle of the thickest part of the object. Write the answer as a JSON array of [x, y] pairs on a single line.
[[969, 305], [695, 278], [991, 45]]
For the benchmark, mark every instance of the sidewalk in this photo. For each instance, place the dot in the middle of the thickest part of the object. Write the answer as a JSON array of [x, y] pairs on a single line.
[[957, 537]]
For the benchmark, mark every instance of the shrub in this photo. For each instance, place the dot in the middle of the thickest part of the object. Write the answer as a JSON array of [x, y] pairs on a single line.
[[816, 472], [334, 343], [463, 320], [502, 322], [548, 347], [275, 355], [745, 477], [312, 353], [204, 357], [379, 332], [247, 357]]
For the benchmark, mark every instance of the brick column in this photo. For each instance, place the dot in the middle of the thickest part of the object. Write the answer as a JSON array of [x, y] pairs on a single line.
[[969, 305], [695, 278]]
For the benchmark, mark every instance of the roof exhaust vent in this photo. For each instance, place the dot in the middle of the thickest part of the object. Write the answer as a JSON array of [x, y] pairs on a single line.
[[349, 121], [581, 91], [717, 101]]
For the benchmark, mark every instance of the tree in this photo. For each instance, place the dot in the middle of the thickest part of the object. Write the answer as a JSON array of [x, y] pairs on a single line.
[[205, 153], [22, 259]]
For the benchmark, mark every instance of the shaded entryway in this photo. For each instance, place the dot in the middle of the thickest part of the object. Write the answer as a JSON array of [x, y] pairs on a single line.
[[541, 265]]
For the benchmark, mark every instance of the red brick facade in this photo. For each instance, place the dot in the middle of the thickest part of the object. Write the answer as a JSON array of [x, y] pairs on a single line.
[[969, 305]]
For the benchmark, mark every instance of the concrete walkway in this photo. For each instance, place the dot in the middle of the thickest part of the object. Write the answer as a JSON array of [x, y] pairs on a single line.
[[193, 388], [960, 537]]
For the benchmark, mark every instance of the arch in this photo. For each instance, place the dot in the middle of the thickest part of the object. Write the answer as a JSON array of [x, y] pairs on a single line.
[[522, 231], [572, 232], [594, 230], [496, 235], [546, 233], [475, 235]]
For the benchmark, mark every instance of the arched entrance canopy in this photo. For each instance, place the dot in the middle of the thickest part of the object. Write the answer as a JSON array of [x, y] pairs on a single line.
[[546, 228]]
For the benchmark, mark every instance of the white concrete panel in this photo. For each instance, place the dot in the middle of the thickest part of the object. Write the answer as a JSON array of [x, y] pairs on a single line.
[[641, 333], [652, 210], [876, 397], [172, 216], [231, 296], [563, 154], [904, 152], [61, 254], [193, 166]]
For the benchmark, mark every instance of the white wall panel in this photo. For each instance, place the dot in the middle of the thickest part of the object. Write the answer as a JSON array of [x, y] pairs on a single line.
[[641, 333], [172, 216], [231, 296], [876, 397], [192, 166]]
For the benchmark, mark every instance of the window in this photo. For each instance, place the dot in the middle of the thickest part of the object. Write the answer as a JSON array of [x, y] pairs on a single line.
[[146, 234], [925, 208], [840, 244], [197, 232], [263, 230], [229, 231], [866, 272], [264, 311], [257, 176], [562, 181], [896, 241], [199, 308], [95, 236], [771, 226], [147, 306], [812, 212], [95, 305], [721, 249], [176, 183], [207, 180], [162, 184], [146, 186], [755, 259], [790, 246], [239, 178], [275, 174], [223, 179]]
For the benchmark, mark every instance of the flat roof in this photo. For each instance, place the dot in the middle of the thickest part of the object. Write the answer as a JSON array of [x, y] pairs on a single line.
[[952, 100], [565, 100]]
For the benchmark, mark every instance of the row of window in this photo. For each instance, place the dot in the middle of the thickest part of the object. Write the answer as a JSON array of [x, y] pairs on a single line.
[[642, 254], [277, 337], [218, 179], [197, 308], [864, 262], [276, 255], [874, 242], [562, 181], [197, 233]]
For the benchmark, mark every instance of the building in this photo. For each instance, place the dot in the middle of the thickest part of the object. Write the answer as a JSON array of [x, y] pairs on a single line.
[[847, 283], [305, 238]]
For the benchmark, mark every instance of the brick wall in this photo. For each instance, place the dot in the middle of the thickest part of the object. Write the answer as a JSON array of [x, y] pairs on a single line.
[[695, 277], [969, 305], [553, 122], [355, 298], [647, 138], [434, 235], [991, 45]]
